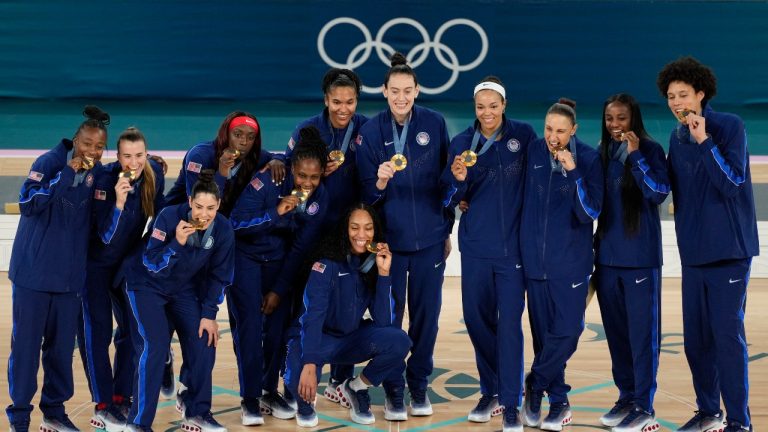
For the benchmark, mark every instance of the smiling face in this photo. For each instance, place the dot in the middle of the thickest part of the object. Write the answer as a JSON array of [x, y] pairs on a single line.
[[90, 142], [242, 138], [489, 110], [360, 231], [682, 96], [558, 130], [618, 119], [204, 207], [306, 175], [132, 155], [401, 92], [342, 103]]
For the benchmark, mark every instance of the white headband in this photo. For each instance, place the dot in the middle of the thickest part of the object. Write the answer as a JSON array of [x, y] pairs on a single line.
[[487, 85]]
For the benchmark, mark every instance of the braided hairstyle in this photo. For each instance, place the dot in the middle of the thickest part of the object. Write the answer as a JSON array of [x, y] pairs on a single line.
[[310, 147], [631, 195], [250, 161]]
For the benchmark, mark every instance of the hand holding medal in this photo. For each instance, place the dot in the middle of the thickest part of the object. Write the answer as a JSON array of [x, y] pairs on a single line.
[[459, 167]]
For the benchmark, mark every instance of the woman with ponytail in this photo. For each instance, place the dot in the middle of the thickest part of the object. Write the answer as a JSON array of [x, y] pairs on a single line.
[[46, 270], [184, 239], [628, 260], [402, 155], [126, 194], [563, 198], [275, 227]]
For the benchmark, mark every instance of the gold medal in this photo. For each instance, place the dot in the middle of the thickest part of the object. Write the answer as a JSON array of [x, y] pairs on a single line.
[[469, 158], [198, 224], [337, 156], [681, 115], [87, 163], [372, 247], [129, 174], [399, 161], [300, 194], [234, 152]]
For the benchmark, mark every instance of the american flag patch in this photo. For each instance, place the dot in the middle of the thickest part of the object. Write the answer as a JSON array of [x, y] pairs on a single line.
[[160, 235], [36, 176], [257, 184], [100, 195], [318, 267], [194, 167]]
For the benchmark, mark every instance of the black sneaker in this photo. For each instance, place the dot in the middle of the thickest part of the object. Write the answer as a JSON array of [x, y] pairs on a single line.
[[202, 423], [20, 425], [487, 407], [420, 404], [394, 405], [620, 410], [511, 421], [532, 404], [703, 422], [250, 412], [58, 424], [737, 427]]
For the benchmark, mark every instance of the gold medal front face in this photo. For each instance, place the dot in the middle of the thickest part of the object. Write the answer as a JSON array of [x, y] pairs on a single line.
[[337, 156], [469, 158], [234, 152], [129, 174], [681, 115], [372, 247], [88, 163], [399, 161], [298, 193], [198, 224]]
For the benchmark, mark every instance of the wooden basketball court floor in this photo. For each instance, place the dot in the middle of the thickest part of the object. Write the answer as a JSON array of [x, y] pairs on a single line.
[[454, 387]]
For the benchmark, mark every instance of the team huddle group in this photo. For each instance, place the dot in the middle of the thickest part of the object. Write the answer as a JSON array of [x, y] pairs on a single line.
[[315, 250]]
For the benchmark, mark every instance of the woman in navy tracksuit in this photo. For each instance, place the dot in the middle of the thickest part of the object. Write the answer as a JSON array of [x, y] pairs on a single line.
[[563, 197], [46, 270], [493, 286], [717, 237], [121, 207], [628, 259], [346, 280], [184, 239], [274, 228], [236, 154], [401, 158], [239, 131], [338, 125]]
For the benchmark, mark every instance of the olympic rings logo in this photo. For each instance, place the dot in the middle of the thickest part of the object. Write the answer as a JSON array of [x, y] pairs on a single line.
[[416, 56]]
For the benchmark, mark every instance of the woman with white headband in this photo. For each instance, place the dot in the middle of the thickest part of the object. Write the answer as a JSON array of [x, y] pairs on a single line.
[[488, 172]]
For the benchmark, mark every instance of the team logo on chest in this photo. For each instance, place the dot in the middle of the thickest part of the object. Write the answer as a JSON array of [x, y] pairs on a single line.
[[313, 208], [513, 145], [208, 243], [89, 180], [422, 138]]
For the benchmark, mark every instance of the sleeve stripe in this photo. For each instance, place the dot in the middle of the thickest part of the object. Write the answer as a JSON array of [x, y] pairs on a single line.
[[253, 222], [726, 169], [656, 187], [451, 193], [110, 234], [30, 193], [583, 198], [154, 268]]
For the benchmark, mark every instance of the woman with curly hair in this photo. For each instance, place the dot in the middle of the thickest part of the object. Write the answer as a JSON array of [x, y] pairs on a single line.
[[711, 187]]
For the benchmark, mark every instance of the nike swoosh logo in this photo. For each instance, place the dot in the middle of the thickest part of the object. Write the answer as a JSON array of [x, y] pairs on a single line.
[[538, 166], [734, 280], [343, 274], [517, 266], [386, 143], [438, 264], [573, 285], [637, 281]]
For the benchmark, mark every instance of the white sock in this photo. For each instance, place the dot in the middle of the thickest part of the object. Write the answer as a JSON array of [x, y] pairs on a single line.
[[357, 384]]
